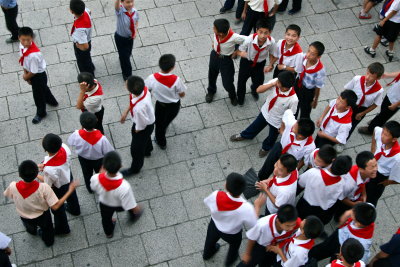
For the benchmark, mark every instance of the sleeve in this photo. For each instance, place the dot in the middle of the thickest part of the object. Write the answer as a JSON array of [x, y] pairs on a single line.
[[288, 119], [79, 36], [250, 219], [72, 139], [49, 195], [149, 82], [308, 150], [180, 86], [106, 146], [255, 232], [395, 171], [243, 47], [298, 63], [128, 199], [119, 12], [278, 2], [136, 17], [94, 183], [276, 52], [271, 81], [393, 246], [240, 39], [293, 104], [272, 47], [92, 103], [396, 6], [320, 78], [308, 157], [7, 192], [4, 241], [304, 177], [332, 102], [342, 193], [379, 98], [350, 85], [378, 134], [298, 258], [343, 133], [367, 252], [50, 175]]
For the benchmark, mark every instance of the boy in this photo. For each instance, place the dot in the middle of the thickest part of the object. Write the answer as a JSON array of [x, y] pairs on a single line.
[[33, 199], [369, 93], [10, 10], [254, 52], [335, 121], [167, 89], [228, 5], [258, 9], [296, 6], [288, 51], [269, 230], [386, 149], [142, 114], [221, 60], [322, 188], [390, 253], [321, 157], [283, 97], [351, 253], [90, 97], [310, 80], [229, 212], [90, 145], [81, 33], [367, 6], [115, 193], [35, 73], [127, 27]]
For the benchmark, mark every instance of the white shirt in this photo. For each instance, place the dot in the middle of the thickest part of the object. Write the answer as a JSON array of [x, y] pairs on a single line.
[[393, 93], [58, 175], [296, 255], [162, 92], [274, 116], [34, 62], [351, 186], [362, 264], [258, 5], [387, 166], [394, 7], [231, 221], [83, 35], [88, 151], [228, 47], [4, 241], [284, 194], [143, 111], [309, 160], [261, 232], [295, 61], [248, 47], [335, 129], [122, 196], [375, 98], [93, 103]]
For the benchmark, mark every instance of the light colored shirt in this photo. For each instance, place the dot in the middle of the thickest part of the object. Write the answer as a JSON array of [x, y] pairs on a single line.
[[4, 241], [124, 22], [83, 35], [34, 62], [362, 264], [313, 80], [58, 175], [93, 103], [295, 61], [258, 5], [163, 93], [394, 7], [284, 194], [309, 160], [248, 47], [143, 112], [340, 131], [374, 98], [387, 166], [261, 232], [8, 3], [393, 93], [296, 255], [88, 151], [351, 186], [228, 47]]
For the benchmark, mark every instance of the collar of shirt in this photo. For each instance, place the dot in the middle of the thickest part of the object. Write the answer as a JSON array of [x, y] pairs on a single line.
[[282, 179], [309, 68], [136, 98], [267, 42], [94, 90], [117, 177], [340, 114], [285, 93], [237, 199]]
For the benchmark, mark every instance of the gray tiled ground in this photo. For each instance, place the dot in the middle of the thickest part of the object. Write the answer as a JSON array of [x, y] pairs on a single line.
[[199, 154]]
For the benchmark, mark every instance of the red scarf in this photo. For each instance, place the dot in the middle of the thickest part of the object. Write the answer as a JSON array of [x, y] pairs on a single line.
[[288, 241], [31, 49], [395, 80], [329, 179], [225, 203], [309, 71], [394, 151], [258, 49], [266, 8], [386, 7], [337, 263], [292, 179], [296, 49], [98, 92], [277, 239], [228, 36], [292, 139], [58, 159], [131, 106], [82, 22], [360, 188], [109, 184], [345, 119], [374, 89], [27, 189], [398, 232], [90, 137], [366, 232], [273, 100], [131, 23], [167, 80], [315, 153]]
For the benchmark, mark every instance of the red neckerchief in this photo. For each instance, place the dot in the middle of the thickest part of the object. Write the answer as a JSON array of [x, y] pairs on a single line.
[[258, 49], [167, 80], [131, 106], [315, 153], [131, 23], [266, 8], [309, 71], [394, 151], [31, 49], [58, 159], [227, 37], [280, 238], [360, 188], [91, 137], [395, 80], [225, 203], [338, 263], [27, 189], [374, 89], [292, 139], [273, 100], [345, 119], [98, 92], [82, 22], [329, 179], [398, 232], [285, 244], [109, 184], [296, 49], [292, 179], [386, 7], [366, 232]]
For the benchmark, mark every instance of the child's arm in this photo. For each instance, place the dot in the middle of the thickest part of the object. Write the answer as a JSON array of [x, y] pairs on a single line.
[[117, 5], [391, 15], [27, 76], [182, 94], [349, 203], [380, 255], [390, 74], [314, 103], [71, 189], [322, 134], [265, 87], [125, 114], [272, 61], [79, 102], [244, 13], [40, 178], [277, 250], [82, 47], [319, 121], [246, 257], [259, 202], [300, 164], [373, 143], [365, 112]]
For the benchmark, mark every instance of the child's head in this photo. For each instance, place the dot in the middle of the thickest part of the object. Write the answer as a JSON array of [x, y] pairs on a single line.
[[325, 156], [128, 4], [367, 164], [88, 78], [51, 143], [221, 27], [88, 120], [303, 128], [263, 29], [351, 251], [374, 72], [235, 184], [285, 80], [167, 62], [364, 213], [292, 34], [25, 36], [390, 132], [28, 170], [341, 165], [346, 100], [112, 162], [315, 51], [312, 227], [287, 217], [77, 7], [285, 165], [135, 85]]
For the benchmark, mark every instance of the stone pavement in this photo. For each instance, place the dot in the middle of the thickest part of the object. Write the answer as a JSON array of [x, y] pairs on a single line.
[[199, 156]]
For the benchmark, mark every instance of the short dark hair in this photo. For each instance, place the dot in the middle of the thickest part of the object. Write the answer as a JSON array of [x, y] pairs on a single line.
[[87, 78], [289, 162], [77, 6], [364, 213], [319, 47], [393, 127], [341, 165], [112, 162], [313, 227], [286, 78], [352, 250], [263, 23], [287, 213], [235, 184], [51, 143], [167, 62], [25, 31], [135, 85], [222, 25], [88, 120], [376, 68], [306, 127], [28, 170], [295, 28], [350, 97], [327, 153], [363, 158]]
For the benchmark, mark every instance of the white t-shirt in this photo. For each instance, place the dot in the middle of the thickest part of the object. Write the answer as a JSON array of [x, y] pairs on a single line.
[[394, 7], [393, 93], [295, 61], [258, 5], [387, 166], [296, 254], [34, 62], [87, 150], [338, 130], [58, 175], [373, 98], [143, 111], [284, 193], [166, 88], [228, 47], [248, 46]]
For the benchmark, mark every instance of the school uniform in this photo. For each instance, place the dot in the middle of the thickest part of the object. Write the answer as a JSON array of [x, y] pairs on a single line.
[[253, 65], [4, 244], [391, 28], [31, 59], [309, 160], [393, 249], [81, 33], [228, 215], [165, 88], [93, 102], [258, 9], [91, 148], [292, 57], [124, 37], [10, 10], [115, 194], [339, 263]]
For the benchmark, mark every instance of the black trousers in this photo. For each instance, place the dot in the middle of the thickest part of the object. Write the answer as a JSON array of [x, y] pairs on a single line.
[[319, 142], [355, 122], [383, 116], [41, 93], [213, 235], [296, 5], [251, 20], [374, 189], [260, 257], [72, 200], [305, 96], [223, 64], [305, 209], [240, 6], [340, 209], [246, 71], [276, 72], [383, 263], [45, 224], [84, 60], [4, 259], [165, 113], [10, 16], [268, 166], [124, 47], [329, 248], [89, 167], [106, 217], [141, 146]]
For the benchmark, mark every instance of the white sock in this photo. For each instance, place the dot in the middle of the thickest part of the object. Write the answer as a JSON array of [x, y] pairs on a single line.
[[362, 12], [371, 49]]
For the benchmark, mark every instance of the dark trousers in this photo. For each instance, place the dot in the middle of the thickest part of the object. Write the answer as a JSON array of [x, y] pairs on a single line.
[[305, 96], [383, 116], [11, 21], [277, 71], [45, 224], [223, 64], [340, 209], [141, 146], [89, 167], [4, 259], [246, 71], [240, 6], [99, 116], [256, 127], [319, 142], [72, 200], [213, 235], [296, 5], [386, 262], [355, 122], [268, 166], [260, 257], [84, 60], [305, 209], [41, 93], [106, 217], [326, 249], [124, 47], [251, 20], [374, 189], [165, 113]]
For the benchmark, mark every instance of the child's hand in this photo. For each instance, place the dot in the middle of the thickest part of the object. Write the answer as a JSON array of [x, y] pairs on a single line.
[[314, 103], [41, 166], [274, 249], [244, 16], [8, 251], [359, 116], [261, 186], [281, 66], [246, 258], [73, 185], [268, 69], [123, 118], [321, 134], [84, 86], [319, 121], [392, 107], [382, 22], [386, 182], [102, 170], [260, 200]]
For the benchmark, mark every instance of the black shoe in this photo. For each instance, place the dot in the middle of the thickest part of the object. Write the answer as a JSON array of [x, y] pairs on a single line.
[[128, 172], [37, 119], [11, 40], [222, 10], [62, 233], [255, 95], [162, 147], [55, 104], [390, 55], [292, 11], [133, 217], [68, 209], [241, 103], [217, 247], [367, 50], [209, 97], [234, 101]]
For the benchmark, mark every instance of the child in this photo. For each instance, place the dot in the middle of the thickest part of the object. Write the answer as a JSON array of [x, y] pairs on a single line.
[[386, 149], [127, 27], [10, 10], [33, 199], [254, 52], [390, 253], [35, 73], [293, 252], [90, 98], [367, 6], [296, 6], [351, 253], [369, 93], [321, 157], [90, 145], [322, 188], [81, 33], [258, 9], [228, 5], [115, 193], [335, 121], [221, 59], [229, 212], [283, 97], [269, 230], [356, 223], [142, 113], [310, 80], [288, 51], [167, 89], [5, 251]]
